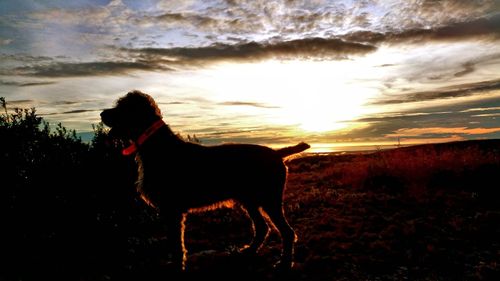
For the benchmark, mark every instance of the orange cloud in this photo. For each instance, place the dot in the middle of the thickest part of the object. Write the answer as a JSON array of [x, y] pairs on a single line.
[[415, 132], [411, 141]]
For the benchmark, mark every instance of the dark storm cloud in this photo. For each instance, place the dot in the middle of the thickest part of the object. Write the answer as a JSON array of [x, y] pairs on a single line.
[[461, 90]]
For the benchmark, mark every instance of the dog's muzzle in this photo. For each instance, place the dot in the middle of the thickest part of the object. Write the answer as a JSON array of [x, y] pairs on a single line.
[[106, 117]]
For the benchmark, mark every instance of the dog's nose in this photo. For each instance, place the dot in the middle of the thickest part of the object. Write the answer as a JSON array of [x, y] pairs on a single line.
[[106, 116]]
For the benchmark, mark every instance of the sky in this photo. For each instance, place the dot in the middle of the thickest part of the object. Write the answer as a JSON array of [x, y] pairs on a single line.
[[332, 73]]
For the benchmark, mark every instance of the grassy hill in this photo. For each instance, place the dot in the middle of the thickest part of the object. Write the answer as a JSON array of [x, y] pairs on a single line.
[[427, 212], [422, 212], [70, 212]]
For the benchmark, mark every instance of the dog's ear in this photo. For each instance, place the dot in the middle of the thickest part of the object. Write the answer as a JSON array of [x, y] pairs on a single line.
[[140, 103], [132, 115]]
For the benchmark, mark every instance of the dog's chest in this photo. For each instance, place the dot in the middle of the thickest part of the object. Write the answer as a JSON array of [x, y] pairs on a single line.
[[140, 184]]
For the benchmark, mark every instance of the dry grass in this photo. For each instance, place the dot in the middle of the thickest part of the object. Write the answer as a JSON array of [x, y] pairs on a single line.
[[419, 213]]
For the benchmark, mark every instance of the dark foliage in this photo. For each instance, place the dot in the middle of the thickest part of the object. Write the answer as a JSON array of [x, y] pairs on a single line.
[[68, 207]]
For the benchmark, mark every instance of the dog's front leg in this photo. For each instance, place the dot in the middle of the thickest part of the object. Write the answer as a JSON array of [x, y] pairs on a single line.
[[175, 237]]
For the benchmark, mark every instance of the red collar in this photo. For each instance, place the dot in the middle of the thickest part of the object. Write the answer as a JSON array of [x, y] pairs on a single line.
[[142, 138]]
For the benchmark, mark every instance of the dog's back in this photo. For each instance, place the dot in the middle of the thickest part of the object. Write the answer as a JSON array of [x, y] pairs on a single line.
[[204, 175]]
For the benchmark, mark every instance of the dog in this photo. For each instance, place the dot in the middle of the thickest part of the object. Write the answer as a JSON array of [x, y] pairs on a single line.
[[177, 177]]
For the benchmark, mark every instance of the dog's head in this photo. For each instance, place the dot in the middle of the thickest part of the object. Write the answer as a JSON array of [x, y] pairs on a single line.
[[132, 114]]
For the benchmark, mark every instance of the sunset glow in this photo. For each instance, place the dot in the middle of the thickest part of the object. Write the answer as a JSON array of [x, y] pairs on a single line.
[[310, 95]]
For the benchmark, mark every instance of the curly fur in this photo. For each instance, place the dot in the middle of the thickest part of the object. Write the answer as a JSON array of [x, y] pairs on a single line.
[[178, 177]]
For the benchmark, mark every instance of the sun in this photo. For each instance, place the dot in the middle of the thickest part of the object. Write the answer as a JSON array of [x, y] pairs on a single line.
[[318, 123], [314, 96]]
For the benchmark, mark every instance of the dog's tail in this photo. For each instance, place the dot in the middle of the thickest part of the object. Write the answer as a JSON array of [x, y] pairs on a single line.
[[289, 150]]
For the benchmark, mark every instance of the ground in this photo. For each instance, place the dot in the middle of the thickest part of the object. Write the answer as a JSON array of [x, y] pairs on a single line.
[[420, 213]]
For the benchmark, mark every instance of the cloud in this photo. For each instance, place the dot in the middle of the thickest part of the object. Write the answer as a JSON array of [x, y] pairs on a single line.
[[484, 27], [392, 116], [316, 17], [243, 103], [70, 69], [432, 13], [19, 103], [25, 84], [76, 111], [24, 58], [4, 42], [460, 90], [65, 102], [414, 132], [261, 135], [487, 115], [480, 109], [107, 18], [328, 20], [171, 103], [460, 31], [262, 29], [300, 48], [204, 22], [468, 68], [242, 18], [264, 20], [383, 126], [409, 141], [168, 59], [79, 111]]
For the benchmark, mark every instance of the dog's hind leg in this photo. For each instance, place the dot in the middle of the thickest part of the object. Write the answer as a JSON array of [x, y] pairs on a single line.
[[175, 234], [260, 229], [288, 237]]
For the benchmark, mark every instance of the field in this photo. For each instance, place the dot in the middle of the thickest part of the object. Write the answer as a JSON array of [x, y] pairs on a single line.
[[429, 212]]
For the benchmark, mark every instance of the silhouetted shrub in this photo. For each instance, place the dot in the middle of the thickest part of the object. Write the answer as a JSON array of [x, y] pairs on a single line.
[[69, 206]]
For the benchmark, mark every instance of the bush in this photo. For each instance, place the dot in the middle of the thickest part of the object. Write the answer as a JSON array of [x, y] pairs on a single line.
[[70, 206]]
